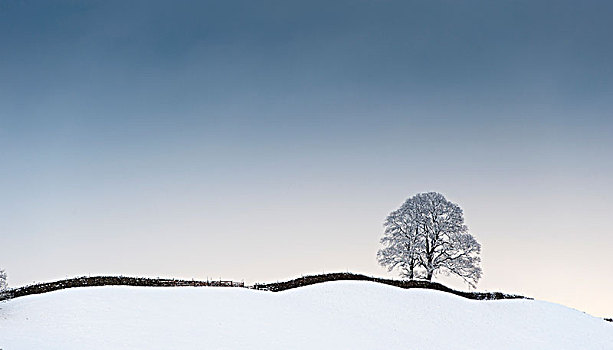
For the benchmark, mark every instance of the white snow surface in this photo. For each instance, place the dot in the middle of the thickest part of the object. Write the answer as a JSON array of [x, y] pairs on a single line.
[[332, 315]]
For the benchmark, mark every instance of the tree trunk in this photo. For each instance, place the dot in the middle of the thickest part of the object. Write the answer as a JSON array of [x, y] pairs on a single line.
[[411, 270], [429, 268]]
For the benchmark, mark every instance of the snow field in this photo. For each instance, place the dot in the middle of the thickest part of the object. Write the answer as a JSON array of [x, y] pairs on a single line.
[[332, 315]]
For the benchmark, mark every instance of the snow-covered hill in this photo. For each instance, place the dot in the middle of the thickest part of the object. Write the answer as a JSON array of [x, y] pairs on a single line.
[[333, 315]]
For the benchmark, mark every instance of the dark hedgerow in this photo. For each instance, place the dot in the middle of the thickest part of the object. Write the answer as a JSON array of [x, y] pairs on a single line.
[[407, 284], [273, 287]]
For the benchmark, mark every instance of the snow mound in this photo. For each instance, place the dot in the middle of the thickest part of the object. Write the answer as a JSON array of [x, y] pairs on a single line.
[[333, 315]]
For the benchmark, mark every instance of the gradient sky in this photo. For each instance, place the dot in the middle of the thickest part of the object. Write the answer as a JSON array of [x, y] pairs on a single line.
[[265, 140]]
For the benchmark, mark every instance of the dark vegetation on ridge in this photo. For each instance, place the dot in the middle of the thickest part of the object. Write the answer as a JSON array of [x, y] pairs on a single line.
[[273, 287], [406, 284], [110, 281]]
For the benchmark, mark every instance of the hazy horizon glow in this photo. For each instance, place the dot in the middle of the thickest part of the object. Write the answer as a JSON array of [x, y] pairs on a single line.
[[265, 141]]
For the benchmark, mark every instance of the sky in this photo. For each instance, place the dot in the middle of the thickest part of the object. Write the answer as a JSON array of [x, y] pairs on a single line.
[[261, 141]]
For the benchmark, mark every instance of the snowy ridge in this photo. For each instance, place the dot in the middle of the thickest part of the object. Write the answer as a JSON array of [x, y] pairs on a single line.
[[332, 315]]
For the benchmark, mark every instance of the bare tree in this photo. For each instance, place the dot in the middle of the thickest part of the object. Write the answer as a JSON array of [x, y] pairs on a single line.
[[427, 235], [402, 242], [2, 280]]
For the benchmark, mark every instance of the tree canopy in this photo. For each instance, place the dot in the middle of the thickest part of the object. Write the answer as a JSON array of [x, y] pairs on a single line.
[[426, 236]]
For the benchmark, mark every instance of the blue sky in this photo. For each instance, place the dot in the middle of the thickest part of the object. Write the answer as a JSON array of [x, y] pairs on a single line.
[[260, 141]]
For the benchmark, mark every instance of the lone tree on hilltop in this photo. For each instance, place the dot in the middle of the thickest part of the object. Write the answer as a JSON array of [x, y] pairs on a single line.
[[426, 236]]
